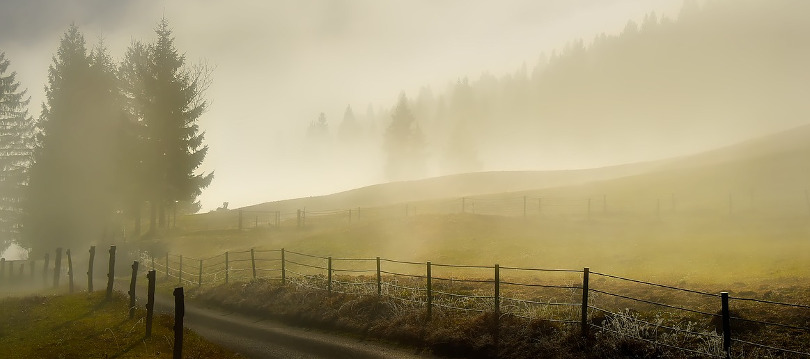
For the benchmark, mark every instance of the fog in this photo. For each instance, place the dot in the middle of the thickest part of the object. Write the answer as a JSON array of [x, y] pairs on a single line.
[[278, 65]]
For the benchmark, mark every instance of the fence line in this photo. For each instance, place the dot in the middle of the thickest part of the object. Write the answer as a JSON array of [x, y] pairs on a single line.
[[559, 301], [539, 204], [551, 301], [415, 283]]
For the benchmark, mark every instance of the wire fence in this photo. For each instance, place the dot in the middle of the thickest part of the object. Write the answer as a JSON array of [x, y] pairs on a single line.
[[681, 321], [538, 204], [674, 320]]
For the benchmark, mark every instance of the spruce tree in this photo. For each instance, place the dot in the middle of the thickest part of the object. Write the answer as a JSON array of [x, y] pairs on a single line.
[[132, 74], [349, 131], [16, 151], [72, 191], [319, 129], [173, 137], [404, 144]]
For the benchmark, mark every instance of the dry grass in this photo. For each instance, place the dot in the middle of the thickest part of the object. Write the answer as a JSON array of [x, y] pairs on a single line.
[[86, 326], [631, 329], [697, 250]]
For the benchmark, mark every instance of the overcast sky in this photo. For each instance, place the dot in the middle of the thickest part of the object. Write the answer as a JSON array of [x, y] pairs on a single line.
[[280, 63]]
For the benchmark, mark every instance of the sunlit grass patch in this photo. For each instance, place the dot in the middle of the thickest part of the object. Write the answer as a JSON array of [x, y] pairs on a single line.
[[87, 326]]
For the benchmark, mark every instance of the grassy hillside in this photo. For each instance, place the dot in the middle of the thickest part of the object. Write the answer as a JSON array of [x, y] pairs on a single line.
[[85, 326], [737, 214], [454, 186]]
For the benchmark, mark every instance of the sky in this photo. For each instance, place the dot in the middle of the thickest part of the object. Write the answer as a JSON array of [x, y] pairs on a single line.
[[278, 64]]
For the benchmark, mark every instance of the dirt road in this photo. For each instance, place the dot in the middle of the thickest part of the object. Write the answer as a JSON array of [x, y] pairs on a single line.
[[255, 338]]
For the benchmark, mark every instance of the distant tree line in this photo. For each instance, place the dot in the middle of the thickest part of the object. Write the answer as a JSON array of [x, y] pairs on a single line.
[[113, 141], [720, 65]]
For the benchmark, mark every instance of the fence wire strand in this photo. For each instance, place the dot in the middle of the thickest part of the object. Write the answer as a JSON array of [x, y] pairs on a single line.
[[655, 284], [413, 290]]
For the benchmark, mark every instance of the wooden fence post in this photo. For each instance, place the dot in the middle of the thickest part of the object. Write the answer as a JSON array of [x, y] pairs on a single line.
[[150, 302], [199, 279], [90, 269], [429, 278], [329, 275], [379, 281], [298, 216], [497, 329], [45, 268], [604, 203], [584, 319], [524, 207], [22, 270], [2, 269], [283, 268], [180, 272], [57, 269], [10, 271], [253, 262], [227, 268], [111, 273], [497, 290], [70, 271], [132, 289], [726, 324], [179, 312]]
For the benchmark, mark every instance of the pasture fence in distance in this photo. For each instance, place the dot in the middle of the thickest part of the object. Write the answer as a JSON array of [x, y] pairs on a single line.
[[762, 203]]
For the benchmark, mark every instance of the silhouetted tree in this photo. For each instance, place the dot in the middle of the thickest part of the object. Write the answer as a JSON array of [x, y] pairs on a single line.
[[133, 177], [175, 102], [721, 64], [16, 153], [72, 190], [349, 131], [318, 129], [404, 144]]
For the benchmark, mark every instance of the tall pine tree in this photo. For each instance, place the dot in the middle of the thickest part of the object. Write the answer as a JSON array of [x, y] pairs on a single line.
[[16, 152], [133, 74], [175, 143], [404, 144], [72, 191]]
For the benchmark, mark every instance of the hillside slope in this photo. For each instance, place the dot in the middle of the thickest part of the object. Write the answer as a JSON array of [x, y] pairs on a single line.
[[776, 164]]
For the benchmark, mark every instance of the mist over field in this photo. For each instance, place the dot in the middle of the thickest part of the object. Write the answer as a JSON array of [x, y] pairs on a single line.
[[289, 102], [279, 65], [511, 179]]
